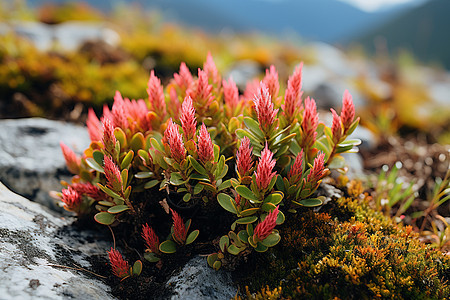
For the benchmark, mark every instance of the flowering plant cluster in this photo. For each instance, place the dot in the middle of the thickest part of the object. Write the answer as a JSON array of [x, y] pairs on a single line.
[[199, 144]]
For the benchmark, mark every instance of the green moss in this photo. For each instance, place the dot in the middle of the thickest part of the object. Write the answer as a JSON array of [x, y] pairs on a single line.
[[326, 255]]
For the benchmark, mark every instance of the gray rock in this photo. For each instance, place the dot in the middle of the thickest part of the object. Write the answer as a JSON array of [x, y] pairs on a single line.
[[198, 281], [31, 161], [31, 245], [243, 71]]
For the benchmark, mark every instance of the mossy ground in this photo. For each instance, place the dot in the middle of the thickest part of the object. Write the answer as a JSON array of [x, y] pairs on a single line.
[[348, 251]]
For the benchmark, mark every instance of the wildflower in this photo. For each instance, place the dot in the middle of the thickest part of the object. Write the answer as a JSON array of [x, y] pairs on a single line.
[[230, 95], [265, 228], [175, 140], [211, 70], [205, 146], [264, 108], [112, 173], [292, 98], [272, 83], [89, 190], [318, 170], [336, 127], [244, 161], [174, 104], [188, 121], [156, 95], [184, 78], [295, 173], [264, 169], [179, 229], [120, 267], [150, 238], [109, 139], [309, 123], [72, 160], [71, 198], [348, 111], [119, 112], [200, 92], [94, 126]]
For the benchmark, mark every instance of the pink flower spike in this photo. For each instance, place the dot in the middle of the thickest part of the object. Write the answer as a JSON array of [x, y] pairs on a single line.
[[348, 111], [296, 171], [179, 229], [89, 190], [264, 169], [200, 92], [120, 267], [72, 160], [309, 123], [264, 108], [188, 121], [244, 161], [211, 70], [272, 83], [184, 78], [94, 126], [173, 137], [71, 198], [174, 104], [156, 95], [231, 95], [109, 139], [336, 127], [205, 145], [112, 173], [318, 170], [119, 112], [292, 98], [265, 228], [150, 238]]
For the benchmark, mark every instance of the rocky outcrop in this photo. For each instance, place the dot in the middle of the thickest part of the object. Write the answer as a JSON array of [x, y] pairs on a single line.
[[31, 161], [34, 254]]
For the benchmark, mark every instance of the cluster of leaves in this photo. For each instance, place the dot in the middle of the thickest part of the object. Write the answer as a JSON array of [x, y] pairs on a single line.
[[350, 251]]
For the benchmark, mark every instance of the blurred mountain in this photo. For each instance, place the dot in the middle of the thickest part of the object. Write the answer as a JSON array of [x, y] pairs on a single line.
[[324, 20], [422, 30]]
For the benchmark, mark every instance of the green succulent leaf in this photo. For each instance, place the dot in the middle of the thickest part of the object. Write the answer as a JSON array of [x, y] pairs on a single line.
[[254, 127], [217, 264], [267, 207], [151, 184], [247, 220], [261, 248], [271, 240], [192, 236], [311, 202], [104, 218], [227, 203], [118, 209], [224, 185], [151, 257], [187, 197], [108, 191], [243, 236], [232, 249], [176, 179], [144, 175], [212, 258], [249, 212], [198, 188], [246, 193], [337, 162], [168, 247], [280, 218], [94, 165], [224, 242], [98, 157], [106, 203], [274, 198], [137, 268], [137, 141], [120, 136], [197, 166], [127, 160]]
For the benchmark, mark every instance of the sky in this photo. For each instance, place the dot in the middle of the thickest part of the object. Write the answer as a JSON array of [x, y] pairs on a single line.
[[374, 5]]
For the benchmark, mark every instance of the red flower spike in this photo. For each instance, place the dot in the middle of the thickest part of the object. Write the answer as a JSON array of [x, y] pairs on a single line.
[[173, 137], [71, 198], [348, 111], [94, 126], [188, 121], [336, 127], [265, 228], [251, 89], [200, 92], [184, 78], [244, 161], [156, 95], [264, 169], [272, 83], [119, 266], [89, 190], [205, 145], [119, 112], [295, 173], [292, 98], [112, 173], [211, 70], [318, 170], [72, 160], [174, 104], [309, 123], [109, 139], [150, 238], [179, 229], [230, 95], [264, 108]]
